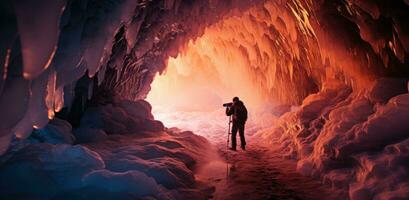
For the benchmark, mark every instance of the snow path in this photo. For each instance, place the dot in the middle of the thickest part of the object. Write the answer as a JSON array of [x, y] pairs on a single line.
[[258, 173]]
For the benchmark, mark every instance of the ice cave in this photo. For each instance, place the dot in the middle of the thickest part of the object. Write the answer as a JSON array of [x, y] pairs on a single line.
[[122, 99]]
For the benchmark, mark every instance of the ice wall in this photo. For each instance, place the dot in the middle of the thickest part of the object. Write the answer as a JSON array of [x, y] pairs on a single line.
[[119, 44], [348, 78], [290, 49], [355, 142]]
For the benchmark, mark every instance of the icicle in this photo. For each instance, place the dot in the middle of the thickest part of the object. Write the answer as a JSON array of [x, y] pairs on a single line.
[[36, 113], [6, 64], [5, 70], [50, 97], [101, 74], [90, 89], [38, 27], [69, 95], [59, 99]]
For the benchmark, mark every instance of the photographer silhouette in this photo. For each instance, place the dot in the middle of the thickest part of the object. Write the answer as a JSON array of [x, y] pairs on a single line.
[[239, 113]]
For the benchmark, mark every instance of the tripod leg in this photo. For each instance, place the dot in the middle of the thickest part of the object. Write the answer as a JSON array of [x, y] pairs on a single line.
[[228, 133], [228, 137]]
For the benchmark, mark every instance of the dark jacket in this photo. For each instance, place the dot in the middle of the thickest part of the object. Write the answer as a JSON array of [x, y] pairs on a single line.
[[239, 112]]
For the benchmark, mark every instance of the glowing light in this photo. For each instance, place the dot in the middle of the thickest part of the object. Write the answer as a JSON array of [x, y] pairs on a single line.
[[272, 56]]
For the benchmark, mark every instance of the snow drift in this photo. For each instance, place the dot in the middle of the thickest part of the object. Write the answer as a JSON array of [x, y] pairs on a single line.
[[145, 162], [350, 140]]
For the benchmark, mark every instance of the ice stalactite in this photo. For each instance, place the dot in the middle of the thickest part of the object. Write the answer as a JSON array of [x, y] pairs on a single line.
[[65, 40], [343, 64], [38, 27], [70, 38]]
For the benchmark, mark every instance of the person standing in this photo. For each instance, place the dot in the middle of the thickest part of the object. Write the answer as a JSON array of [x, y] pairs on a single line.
[[239, 113]]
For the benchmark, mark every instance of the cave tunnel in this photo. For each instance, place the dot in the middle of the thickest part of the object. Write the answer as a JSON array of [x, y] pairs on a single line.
[[122, 99]]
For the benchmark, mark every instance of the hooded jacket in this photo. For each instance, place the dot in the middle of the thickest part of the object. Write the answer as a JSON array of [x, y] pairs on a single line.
[[239, 112]]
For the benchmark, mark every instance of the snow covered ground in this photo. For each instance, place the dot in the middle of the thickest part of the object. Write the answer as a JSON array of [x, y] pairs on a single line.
[[212, 125], [260, 172], [123, 153], [355, 142]]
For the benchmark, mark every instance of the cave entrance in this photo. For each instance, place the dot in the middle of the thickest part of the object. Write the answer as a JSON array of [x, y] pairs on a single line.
[[226, 61]]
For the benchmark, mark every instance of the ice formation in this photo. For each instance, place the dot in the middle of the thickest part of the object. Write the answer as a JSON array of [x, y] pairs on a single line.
[[135, 162], [342, 67]]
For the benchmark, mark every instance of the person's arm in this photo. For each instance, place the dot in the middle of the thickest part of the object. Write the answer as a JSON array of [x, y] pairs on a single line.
[[245, 113], [229, 110]]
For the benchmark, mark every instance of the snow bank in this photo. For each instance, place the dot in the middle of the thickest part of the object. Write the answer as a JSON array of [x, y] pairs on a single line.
[[133, 182], [354, 141], [57, 131], [383, 175], [147, 162], [87, 135], [45, 169], [124, 117]]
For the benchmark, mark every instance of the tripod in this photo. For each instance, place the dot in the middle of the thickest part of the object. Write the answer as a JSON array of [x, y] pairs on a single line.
[[227, 146], [229, 132]]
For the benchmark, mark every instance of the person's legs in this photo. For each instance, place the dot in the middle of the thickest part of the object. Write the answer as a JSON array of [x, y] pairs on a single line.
[[242, 138], [233, 136]]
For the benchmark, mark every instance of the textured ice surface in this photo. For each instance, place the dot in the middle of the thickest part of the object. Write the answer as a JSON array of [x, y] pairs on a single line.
[[124, 117], [86, 135], [352, 141], [38, 27], [57, 131], [351, 42], [44, 170], [143, 163], [132, 182]]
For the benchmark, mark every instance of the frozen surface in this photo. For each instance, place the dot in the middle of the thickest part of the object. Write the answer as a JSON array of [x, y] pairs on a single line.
[[87, 135], [257, 173], [125, 117], [145, 162], [260, 173], [44, 170], [56, 132], [354, 142]]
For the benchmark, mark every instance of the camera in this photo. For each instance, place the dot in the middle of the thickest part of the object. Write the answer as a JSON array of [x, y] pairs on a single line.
[[227, 105]]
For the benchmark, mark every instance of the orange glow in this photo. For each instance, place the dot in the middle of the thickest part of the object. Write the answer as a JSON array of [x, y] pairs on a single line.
[[239, 56], [202, 78], [268, 56]]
